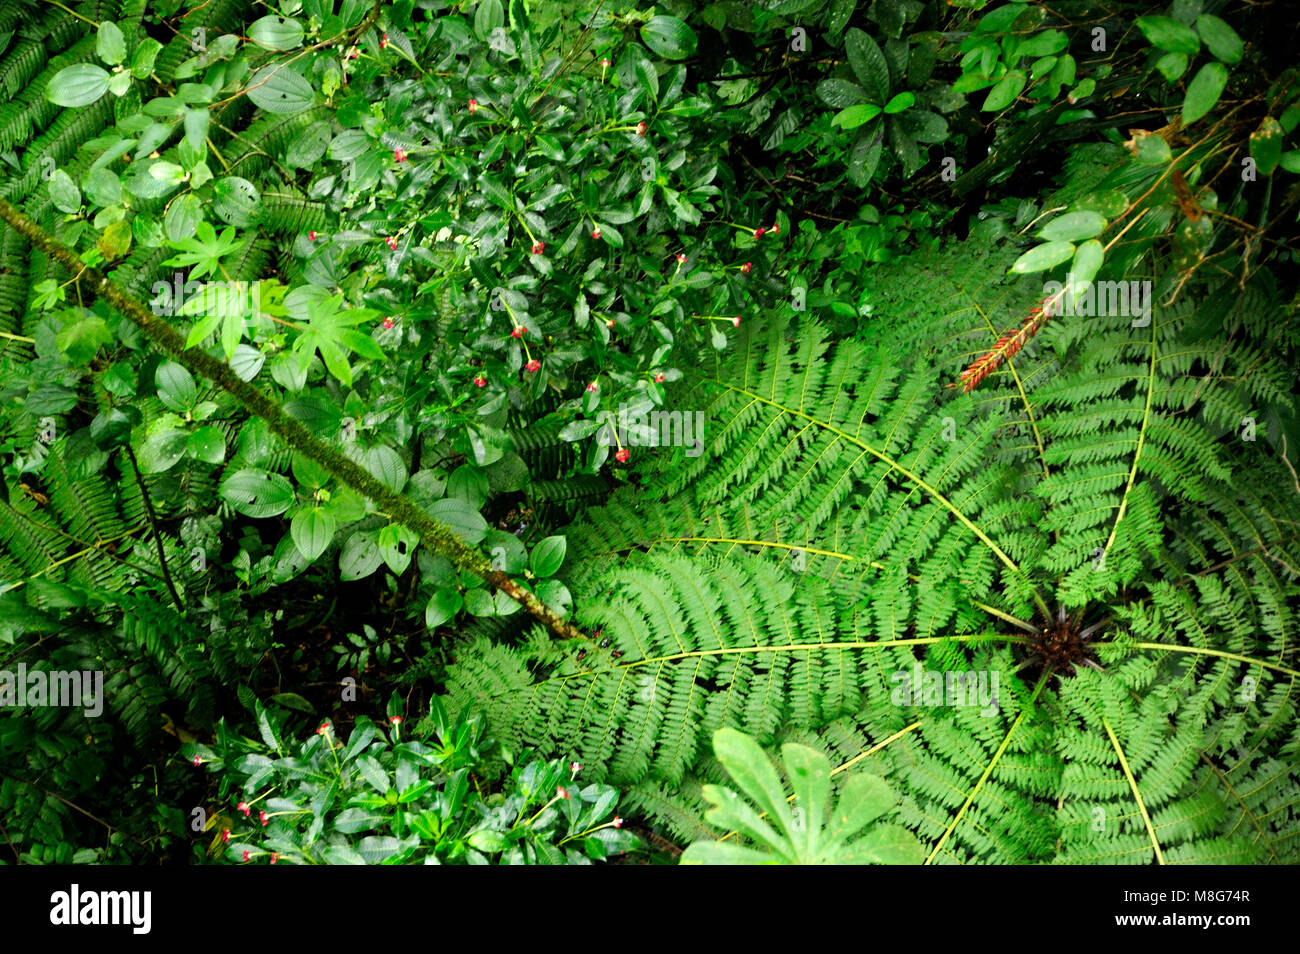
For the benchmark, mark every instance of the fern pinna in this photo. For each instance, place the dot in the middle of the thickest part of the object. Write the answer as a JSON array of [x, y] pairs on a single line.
[[1098, 531]]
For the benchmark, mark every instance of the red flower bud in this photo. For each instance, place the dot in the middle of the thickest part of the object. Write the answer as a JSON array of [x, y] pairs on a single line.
[[473, 105], [641, 128], [517, 332], [562, 792], [399, 155], [197, 761], [225, 835], [775, 230], [392, 242], [759, 233], [605, 64], [481, 381], [243, 807], [538, 248], [618, 822], [532, 366], [746, 268], [622, 455], [609, 323], [383, 45], [575, 767], [681, 259], [736, 321], [593, 386], [388, 322], [245, 854], [275, 856], [311, 236], [659, 378], [263, 818], [595, 233], [324, 727], [395, 720]]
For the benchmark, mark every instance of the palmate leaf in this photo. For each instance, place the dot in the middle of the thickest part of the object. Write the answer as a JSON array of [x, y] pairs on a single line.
[[853, 516]]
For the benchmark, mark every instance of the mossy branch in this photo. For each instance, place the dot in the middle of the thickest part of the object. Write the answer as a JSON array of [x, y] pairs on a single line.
[[437, 536]]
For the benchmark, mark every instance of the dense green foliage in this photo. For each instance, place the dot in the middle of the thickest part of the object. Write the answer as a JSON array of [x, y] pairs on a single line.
[[764, 344]]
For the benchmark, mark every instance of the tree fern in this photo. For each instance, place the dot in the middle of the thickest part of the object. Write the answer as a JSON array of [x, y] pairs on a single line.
[[1097, 525]]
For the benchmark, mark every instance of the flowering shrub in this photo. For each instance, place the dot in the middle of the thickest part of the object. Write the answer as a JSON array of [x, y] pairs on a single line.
[[379, 798]]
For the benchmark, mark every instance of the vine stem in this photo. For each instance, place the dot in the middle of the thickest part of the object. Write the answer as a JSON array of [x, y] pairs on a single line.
[[433, 533]]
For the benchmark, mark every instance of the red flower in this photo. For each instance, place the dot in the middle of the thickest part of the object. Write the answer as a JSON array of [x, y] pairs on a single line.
[[473, 105], [275, 856], [517, 332], [197, 761], [746, 268], [243, 807], [759, 233], [736, 321], [324, 727], [392, 242], [681, 259], [263, 818], [399, 155], [245, 854], [575, 767], [595, 233], [562, 792], [395, 720], [775, 230], [618, 822], [605, 64], [609, 323], [311, 236], [641, 128], [383, 45], [622, 455], [481, 381], [593, 386], [659, 378], [532, 365], [225, 835], [538, 248], [388, 322]]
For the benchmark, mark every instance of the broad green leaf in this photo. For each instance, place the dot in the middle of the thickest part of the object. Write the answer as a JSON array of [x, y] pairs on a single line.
[[1266, 145], [207, 444], [110, 44], [278, 89], [1043, 257], [902, 101], [855, 116], [547, 556], [176, 387], [312, 530], [1221, 40], [1004, 93], [276, 33], [869, 64], [256, 493], [1074, 226], [64, 192], [751, 769], [669, 37], [442, 606], [1204, 91], [78, 85], [1169, 35]]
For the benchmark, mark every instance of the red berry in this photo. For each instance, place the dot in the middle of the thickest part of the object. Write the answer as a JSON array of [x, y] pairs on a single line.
[[481, 382], [622, 455], [659, 378], [538, 248], [641, 128], [532, 365], [388, 322], [595, 233], [225, 835], [311, 236], [399, 155], [759, 233], [473, 105], [593, 386], [746, 268], [736, 321]]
